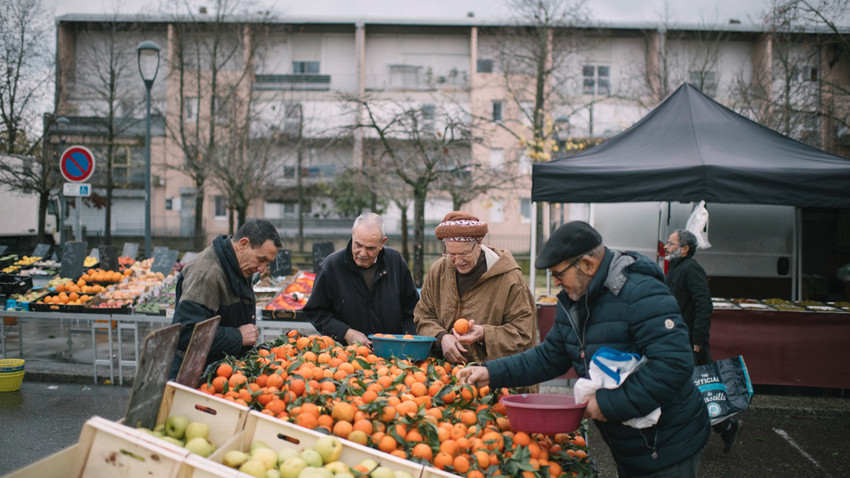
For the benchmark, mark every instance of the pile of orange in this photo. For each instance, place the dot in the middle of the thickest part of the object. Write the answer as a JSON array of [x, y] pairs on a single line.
[[100, 275], [417, 411], [80, 287], [66, 299]]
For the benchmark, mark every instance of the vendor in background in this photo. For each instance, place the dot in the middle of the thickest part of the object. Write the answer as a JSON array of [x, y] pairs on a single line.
[[363, 289], [689, 284], [218, 282], [481, 284]]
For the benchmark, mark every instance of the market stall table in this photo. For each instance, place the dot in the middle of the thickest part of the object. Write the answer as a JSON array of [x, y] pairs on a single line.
[[785, 347]]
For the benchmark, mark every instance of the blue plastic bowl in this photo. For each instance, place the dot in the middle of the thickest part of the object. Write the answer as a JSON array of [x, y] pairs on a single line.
[[416, 348]]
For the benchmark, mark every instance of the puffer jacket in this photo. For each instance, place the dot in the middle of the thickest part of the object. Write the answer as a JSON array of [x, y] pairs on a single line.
[[627, 307]]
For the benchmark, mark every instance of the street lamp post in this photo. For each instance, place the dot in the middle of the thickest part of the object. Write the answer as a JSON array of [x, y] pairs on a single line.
[[148, 59], [62, 124]]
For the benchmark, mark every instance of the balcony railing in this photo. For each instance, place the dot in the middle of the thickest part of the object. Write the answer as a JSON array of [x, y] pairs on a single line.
[[294, 82]]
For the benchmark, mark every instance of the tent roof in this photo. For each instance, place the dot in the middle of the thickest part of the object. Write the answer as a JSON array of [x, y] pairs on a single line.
[[691, 148]]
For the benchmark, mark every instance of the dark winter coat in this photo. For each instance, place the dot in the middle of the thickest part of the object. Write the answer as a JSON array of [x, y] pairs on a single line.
[[340, 299], [627, 307], [212, 284], [688, 282]]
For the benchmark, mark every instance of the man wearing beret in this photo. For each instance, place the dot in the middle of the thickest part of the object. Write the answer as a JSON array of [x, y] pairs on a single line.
[[481, 284], [618, 300]]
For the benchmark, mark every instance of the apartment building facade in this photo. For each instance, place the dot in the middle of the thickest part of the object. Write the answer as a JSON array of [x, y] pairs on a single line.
[[304, 82]]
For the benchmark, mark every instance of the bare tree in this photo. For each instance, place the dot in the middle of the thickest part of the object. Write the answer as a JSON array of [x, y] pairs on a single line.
[[211, 60], [415, 150], [111, 87], [25, 59], [531, 55]]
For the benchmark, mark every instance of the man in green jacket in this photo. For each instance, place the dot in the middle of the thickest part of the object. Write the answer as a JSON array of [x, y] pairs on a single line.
[[618, 300]]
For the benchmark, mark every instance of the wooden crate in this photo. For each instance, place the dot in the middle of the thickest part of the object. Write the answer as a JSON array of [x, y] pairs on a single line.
[[278, 434]]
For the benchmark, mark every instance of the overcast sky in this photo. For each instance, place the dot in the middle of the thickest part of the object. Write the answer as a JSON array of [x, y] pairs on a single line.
[[685, 11]]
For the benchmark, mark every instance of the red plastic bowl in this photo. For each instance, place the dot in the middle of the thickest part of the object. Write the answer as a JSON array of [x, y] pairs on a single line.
[[547, 413]]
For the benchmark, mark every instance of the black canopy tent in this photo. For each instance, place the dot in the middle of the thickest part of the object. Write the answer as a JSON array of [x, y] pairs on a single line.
[[691, 148]]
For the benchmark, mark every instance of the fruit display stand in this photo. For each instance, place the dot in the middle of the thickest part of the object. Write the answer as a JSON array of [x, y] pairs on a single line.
[[107, 449], [278, 434], [197, 466]]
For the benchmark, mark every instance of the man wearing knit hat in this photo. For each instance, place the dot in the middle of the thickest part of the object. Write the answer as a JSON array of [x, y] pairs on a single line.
[[481, 284], [618, 300]]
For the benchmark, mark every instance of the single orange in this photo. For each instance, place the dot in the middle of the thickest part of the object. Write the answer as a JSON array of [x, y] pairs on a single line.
[[461, 326]]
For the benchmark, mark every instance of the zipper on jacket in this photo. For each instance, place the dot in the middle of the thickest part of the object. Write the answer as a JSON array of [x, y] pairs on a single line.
[[580, 334]]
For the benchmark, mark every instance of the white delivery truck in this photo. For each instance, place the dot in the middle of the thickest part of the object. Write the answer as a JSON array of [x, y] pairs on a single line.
[[751, 249], [19, 223]]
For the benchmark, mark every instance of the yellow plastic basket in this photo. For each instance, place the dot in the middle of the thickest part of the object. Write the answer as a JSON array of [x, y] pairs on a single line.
[[11, 374]]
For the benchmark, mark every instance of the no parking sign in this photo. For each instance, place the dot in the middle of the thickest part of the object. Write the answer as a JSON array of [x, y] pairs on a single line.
[[77, 163]]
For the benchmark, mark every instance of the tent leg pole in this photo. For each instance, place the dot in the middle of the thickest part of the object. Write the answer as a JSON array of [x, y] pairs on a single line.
[[533, 255]]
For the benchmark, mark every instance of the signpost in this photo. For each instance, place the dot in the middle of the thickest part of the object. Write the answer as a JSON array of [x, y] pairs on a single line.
[[77, 165]]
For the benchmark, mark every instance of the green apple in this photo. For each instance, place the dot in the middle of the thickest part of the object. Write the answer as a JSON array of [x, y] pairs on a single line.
[[197, 429], [175, 426], [234, 458], [382, 472], [312, 457], [257, 444], [254, 468], [330, 447], [265, 455], [313, 472], [286, 453], [200, 446], [159, 428], [337, 467], [159, 434], [146, 430], [292, 467], [174, 441], [272, 473], [343, 474]]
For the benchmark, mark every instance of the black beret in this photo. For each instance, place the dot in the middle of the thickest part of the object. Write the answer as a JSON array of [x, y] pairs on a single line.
[[570, 240]]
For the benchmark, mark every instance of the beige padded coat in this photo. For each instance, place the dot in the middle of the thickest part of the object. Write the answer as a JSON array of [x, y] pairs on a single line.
[[500, 301]]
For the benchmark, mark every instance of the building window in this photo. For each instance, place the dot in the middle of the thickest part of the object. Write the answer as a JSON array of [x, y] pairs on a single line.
[[525, 210], [223, 110], [524, 165], [497, 159], [220, 207], [190, 113], [485, 65], [292, 120], [305, 67], [404, 76], [596, 80], [497, 110], [705, 81], [428, 115]]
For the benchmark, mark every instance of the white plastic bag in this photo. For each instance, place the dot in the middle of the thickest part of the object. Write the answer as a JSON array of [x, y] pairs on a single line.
[[608, 369], [698, 225]]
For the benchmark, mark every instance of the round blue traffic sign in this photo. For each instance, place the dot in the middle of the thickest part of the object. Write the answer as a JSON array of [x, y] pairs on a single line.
[[77, 163]]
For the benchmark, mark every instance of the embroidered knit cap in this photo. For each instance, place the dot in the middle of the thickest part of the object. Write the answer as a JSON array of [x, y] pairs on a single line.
[[459, 226]]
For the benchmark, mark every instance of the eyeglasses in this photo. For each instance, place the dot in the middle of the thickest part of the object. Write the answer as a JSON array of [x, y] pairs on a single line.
[[458, 255], [671, 243], [563, 271]]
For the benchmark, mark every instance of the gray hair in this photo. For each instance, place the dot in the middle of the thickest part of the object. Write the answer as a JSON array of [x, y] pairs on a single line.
[[370, 219], [687, 238]]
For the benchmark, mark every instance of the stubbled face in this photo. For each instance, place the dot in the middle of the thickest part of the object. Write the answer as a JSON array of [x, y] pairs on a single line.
[[462, 255], [570, 277], [366, 244], [254, 259], [673, 248]]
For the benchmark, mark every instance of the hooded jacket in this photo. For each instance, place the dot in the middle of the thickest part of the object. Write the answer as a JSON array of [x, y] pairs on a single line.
[[628, 308], [340, 299], [500, 301], [687, 280], [212, 284]]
